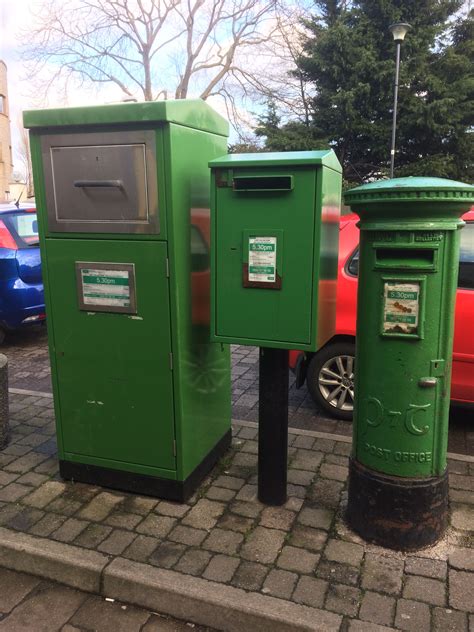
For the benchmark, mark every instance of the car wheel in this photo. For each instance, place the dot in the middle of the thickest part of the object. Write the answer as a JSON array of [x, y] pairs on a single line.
[[330, 379]]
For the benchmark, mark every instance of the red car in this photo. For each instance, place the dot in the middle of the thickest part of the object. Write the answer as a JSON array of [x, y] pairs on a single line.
[[329, 373]]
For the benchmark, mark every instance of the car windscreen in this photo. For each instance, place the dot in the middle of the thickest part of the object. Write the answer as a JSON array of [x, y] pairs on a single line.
[[24, 228]]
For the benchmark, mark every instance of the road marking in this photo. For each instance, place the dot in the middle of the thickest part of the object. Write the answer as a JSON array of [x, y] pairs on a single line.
[[23, 391]]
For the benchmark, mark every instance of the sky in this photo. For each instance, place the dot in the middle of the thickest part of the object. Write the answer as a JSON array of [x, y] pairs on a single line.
[[13, 19], [16, 18], [15, 15]]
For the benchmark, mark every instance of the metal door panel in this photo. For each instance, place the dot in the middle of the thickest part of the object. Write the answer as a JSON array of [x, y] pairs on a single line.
[[101, 182], [113, 370]]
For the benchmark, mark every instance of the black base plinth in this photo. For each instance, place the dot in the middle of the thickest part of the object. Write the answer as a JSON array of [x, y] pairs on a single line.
[[142, 483], [405, 514]]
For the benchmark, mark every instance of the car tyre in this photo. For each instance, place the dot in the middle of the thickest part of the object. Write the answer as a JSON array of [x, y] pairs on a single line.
[[330, 379]]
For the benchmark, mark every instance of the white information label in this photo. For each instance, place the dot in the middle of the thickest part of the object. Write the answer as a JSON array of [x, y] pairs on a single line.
[[109, 288], [401, 307], [262, 259]]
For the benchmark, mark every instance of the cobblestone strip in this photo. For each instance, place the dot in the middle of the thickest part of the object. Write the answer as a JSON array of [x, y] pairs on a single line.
[[302, 554]]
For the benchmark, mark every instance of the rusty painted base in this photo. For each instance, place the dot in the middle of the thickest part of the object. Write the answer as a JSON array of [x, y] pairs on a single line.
[[405, 514]]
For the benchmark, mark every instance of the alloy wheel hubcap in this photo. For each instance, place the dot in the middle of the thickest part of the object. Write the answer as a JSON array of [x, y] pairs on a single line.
[[336, 382]]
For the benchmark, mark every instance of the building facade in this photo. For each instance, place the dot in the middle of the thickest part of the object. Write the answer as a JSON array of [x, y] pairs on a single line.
[[6, 162]]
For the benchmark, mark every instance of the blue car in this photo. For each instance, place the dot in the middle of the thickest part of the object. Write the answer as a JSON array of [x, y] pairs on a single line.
[[21, 283]]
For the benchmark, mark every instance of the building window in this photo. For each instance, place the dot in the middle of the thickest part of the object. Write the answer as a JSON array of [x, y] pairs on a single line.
[[3, 104]]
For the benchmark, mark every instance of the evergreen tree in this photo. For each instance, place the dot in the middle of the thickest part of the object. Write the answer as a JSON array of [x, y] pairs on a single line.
[[293, 136], [349, 56]]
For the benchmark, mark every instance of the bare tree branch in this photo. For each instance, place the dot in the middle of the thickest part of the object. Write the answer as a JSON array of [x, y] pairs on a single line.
[[148, 48]]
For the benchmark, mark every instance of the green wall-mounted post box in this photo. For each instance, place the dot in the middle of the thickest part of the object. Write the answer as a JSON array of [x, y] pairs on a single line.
[[275, 237], [275, 227], [142, 398]]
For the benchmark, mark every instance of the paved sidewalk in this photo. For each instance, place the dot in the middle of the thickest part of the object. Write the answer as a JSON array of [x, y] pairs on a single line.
[[30, 604], [305, 415], [28, 359], [223, 559], [27, 353]]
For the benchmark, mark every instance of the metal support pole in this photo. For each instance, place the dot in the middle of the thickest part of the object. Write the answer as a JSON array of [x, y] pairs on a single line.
[[273, 426], [395, 105], [4, 409]]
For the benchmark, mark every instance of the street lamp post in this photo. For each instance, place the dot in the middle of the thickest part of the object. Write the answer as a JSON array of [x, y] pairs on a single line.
[[398, 30]]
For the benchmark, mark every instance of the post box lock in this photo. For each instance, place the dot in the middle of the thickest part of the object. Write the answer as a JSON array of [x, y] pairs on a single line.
[[437, 368]]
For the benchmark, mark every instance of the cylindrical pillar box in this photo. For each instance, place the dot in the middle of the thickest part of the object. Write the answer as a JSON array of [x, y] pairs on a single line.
[[4, 410], [409, 253]]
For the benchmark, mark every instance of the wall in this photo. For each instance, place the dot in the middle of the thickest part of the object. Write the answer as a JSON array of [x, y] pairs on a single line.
[[6, 166]]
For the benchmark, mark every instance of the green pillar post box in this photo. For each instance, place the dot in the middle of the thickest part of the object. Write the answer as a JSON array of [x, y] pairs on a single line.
[[142, 398], [275, 226], [409, 254]]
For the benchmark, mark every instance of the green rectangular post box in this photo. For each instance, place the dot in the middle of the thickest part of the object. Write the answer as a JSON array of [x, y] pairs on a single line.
[[275, 228], [142, 398]]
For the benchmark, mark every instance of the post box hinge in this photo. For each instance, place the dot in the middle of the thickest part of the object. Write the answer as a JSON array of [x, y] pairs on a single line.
[[171, 360], [167, 268], [174, 447]]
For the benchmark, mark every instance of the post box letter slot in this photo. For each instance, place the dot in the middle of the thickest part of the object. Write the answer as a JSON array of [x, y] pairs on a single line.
[[424, 258], [262, 183]]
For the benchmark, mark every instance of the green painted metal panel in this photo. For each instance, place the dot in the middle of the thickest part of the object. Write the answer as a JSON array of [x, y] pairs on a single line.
[[409, 250], [113, 370], [274, 262], [193, 113], [324, 157], [270, 314], [202, 369], [183, 397], [325, 264], [38, 174]]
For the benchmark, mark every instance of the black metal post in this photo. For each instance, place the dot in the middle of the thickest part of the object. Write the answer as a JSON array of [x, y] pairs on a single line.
[[273, 426]]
